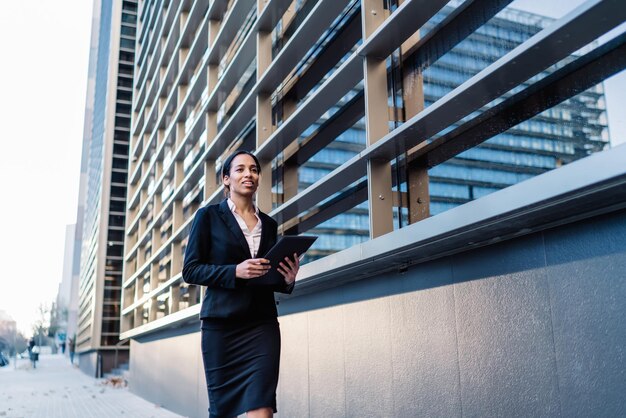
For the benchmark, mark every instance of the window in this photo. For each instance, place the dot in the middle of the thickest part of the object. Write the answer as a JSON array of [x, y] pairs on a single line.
[[129, 18], [128, 31], [118, 177]]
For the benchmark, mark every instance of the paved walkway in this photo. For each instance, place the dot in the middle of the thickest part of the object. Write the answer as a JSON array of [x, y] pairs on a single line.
[[55, 389]]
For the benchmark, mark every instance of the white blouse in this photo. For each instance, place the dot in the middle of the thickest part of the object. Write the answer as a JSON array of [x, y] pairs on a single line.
[[253, 238]]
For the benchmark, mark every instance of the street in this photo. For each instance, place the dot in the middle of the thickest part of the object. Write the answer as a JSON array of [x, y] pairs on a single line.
[[56, 389]]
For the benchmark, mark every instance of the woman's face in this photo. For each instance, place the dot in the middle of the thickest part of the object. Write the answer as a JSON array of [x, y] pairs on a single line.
[[244, 176]]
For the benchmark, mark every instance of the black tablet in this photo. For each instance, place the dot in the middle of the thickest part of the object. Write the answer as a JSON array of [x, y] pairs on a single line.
[[286, 246]]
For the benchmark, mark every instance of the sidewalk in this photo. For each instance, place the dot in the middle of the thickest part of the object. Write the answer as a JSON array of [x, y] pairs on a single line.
[[57, 390]]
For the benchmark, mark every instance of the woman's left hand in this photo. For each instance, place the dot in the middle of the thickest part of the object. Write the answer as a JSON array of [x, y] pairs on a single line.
[[289, 268]]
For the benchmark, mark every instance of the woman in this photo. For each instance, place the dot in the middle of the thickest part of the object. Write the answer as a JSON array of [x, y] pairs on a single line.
[[240, 334]]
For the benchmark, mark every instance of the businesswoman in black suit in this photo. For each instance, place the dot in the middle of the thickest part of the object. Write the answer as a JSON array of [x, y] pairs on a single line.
[[240, 333]]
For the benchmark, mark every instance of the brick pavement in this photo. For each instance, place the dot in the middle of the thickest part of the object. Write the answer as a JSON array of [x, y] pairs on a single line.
[[57, 390]]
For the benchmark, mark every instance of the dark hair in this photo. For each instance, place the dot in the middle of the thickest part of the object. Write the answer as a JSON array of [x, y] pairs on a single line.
[[231, 157], [229, 161]]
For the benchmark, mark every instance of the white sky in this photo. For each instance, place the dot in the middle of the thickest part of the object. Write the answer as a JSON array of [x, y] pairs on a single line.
[[45, 47]]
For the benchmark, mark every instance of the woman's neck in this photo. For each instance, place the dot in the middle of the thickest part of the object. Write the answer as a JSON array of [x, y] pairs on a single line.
[[243, 204]]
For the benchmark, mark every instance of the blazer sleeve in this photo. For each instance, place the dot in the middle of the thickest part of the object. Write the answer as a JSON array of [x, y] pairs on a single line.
[[196, 270]]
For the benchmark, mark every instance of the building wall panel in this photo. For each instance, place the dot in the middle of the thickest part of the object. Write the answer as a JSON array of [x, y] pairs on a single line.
[[327, 370], [166, 369], [293, 392], [506, 355], [586, 271], [423, 342]]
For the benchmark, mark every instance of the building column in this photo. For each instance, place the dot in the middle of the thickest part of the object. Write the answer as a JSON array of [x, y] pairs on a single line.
[[379, 185], [264, 126]]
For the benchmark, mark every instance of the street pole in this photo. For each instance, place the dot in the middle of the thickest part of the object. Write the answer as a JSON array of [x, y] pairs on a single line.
[[15, 347]]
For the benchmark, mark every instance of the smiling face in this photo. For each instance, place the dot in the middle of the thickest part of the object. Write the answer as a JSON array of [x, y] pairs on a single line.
[[243, 179]]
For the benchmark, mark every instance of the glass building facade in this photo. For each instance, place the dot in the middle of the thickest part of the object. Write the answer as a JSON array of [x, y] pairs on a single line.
[[103, 183], [564, 133]]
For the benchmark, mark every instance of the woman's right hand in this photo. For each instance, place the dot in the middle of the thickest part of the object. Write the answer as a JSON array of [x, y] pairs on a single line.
[[252, 268]]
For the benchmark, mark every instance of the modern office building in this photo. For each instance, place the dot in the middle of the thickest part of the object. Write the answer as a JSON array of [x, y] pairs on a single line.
[[399, 132], [102, 199]]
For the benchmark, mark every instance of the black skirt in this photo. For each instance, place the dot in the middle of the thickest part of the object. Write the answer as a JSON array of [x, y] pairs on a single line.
[[241, 362]]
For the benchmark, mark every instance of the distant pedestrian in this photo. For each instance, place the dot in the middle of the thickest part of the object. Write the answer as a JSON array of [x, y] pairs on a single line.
[[63, 347], [34, 356], [72, 348]]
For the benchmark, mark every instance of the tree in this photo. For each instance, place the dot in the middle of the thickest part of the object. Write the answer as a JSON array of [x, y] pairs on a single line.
[[20, 342], [41, 325], [13, 343]]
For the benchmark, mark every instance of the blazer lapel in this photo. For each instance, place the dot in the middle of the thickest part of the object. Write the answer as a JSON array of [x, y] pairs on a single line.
[[265, 235], [229, 219]]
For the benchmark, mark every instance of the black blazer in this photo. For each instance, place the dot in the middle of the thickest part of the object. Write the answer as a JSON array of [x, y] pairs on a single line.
[[216, 245]]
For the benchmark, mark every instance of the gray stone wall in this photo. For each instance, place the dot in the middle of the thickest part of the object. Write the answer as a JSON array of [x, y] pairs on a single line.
[[87, 362], [166, 369], [528, 327]]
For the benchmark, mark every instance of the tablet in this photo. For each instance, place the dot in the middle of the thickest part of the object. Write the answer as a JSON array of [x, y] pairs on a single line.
[[284, 247]]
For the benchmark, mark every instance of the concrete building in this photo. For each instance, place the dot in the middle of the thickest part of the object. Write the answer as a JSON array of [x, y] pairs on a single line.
[[102, 198], [448, 278], [67, 297], [65, 287]]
